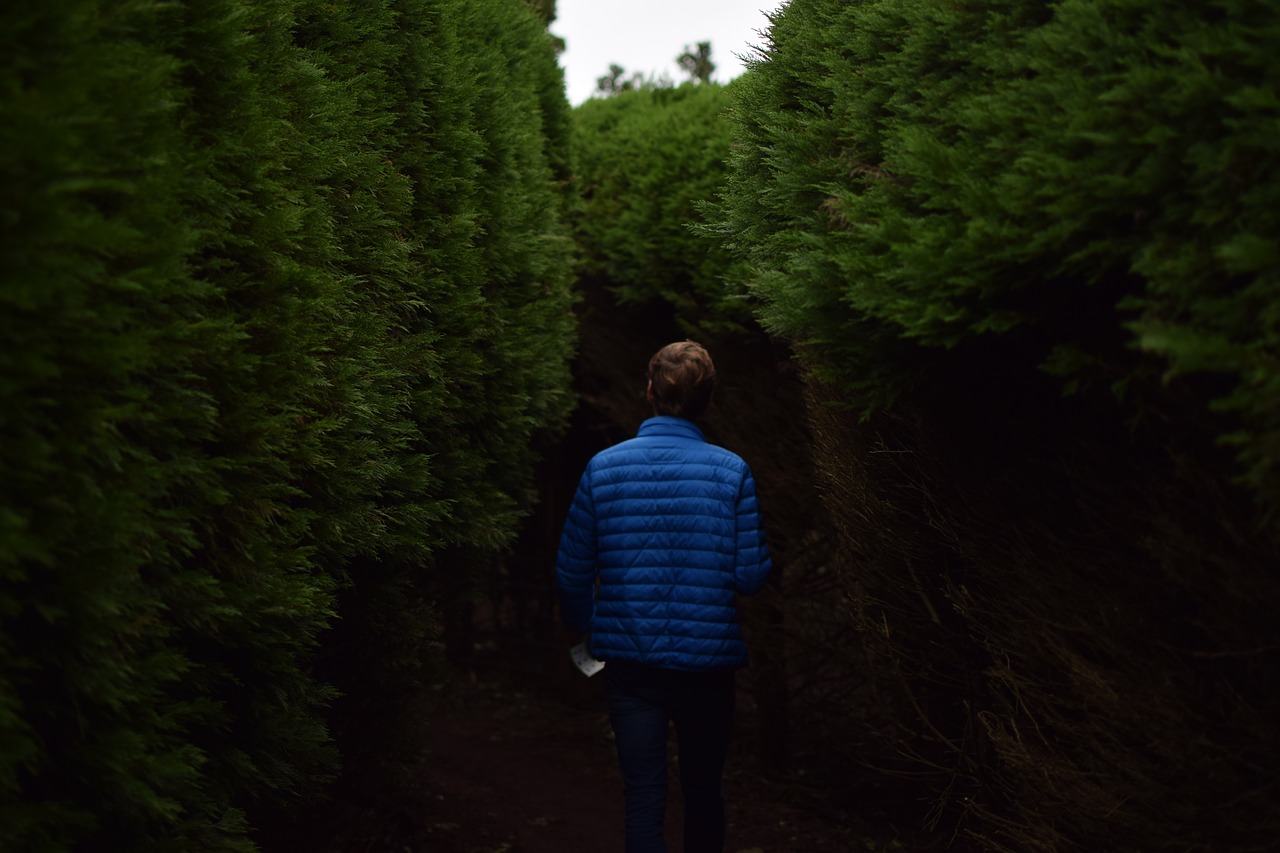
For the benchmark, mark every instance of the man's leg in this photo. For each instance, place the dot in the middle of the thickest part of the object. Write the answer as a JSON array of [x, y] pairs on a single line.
[[640, 732], [704, 724]]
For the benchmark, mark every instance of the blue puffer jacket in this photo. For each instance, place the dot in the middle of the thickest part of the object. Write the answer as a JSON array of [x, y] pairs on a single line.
[[670, 525]]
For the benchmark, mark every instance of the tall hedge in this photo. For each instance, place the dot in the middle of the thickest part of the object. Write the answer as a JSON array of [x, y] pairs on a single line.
[[647, 160], [1032, 247], [918, 177], [264, 343]]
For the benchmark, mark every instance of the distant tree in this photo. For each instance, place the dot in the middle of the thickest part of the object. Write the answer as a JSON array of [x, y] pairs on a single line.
[[617, 80], [614, 81], [697, 62]]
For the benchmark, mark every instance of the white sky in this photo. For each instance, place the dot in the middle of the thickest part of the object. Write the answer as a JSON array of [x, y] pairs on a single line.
[[648, 35]]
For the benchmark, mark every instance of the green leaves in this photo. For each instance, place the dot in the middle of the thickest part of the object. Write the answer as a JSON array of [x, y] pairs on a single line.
[[647, 161], [942, 175], [285, 301]]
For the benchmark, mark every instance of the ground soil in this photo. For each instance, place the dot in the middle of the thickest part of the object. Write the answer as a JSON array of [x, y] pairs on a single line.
[[510, 772]]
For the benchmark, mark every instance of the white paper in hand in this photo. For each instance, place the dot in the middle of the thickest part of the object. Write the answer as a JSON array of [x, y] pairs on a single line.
[[583, 660]]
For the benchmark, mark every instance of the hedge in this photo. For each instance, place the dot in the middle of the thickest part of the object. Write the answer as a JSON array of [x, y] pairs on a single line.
[[647, 160], [1027, 255], [271, 330], [1094, 184]]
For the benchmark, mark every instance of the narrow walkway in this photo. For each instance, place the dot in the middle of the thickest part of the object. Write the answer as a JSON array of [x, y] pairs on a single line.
[[510, 773]]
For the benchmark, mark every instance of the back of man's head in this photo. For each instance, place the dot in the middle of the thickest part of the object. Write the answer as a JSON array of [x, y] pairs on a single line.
[[681, 377]]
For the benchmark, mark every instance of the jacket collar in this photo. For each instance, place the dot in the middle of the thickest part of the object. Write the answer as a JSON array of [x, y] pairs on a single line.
[[669, 426]]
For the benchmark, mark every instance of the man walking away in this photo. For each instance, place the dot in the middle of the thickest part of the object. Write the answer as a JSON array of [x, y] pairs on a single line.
[[669, 526]]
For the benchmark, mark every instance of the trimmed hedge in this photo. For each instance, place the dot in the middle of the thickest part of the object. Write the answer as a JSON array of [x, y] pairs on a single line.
[[959, 213], [1094, 184], [647, 160], [285, 300]]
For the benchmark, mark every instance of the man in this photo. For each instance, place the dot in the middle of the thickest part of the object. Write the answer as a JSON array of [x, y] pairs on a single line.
[[670, 527]]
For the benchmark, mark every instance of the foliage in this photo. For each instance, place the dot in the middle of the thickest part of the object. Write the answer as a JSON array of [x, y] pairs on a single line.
[[618, 80], [646, 160], [959, 211], [546, 10], [285, 301], [1092, 185], [697, 62]]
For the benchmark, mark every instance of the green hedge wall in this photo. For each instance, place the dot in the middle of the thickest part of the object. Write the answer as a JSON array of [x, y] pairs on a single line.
[[647, 160], [1095, 184], [959, 212], [283, 302]]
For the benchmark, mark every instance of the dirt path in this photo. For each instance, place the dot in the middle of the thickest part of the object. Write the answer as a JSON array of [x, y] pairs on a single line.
[[512, 773]]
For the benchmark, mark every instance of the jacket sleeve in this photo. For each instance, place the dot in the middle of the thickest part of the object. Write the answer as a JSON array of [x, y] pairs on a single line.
[[576, 560], [752, 564]]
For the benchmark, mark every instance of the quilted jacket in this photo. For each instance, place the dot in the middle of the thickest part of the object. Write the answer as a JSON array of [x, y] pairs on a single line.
[[670, 526]]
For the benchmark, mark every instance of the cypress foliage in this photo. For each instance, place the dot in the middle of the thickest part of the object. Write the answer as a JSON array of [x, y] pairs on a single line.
[[480, 331], [513, 372], [1092, 184], [647, 160], [250, 265], [107, 406], [959, 212]]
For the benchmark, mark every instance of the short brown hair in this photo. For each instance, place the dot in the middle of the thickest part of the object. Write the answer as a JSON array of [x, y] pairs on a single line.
[[683, 376]]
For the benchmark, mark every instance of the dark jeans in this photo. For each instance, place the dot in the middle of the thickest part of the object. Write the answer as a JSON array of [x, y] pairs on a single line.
[[642, 701]]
